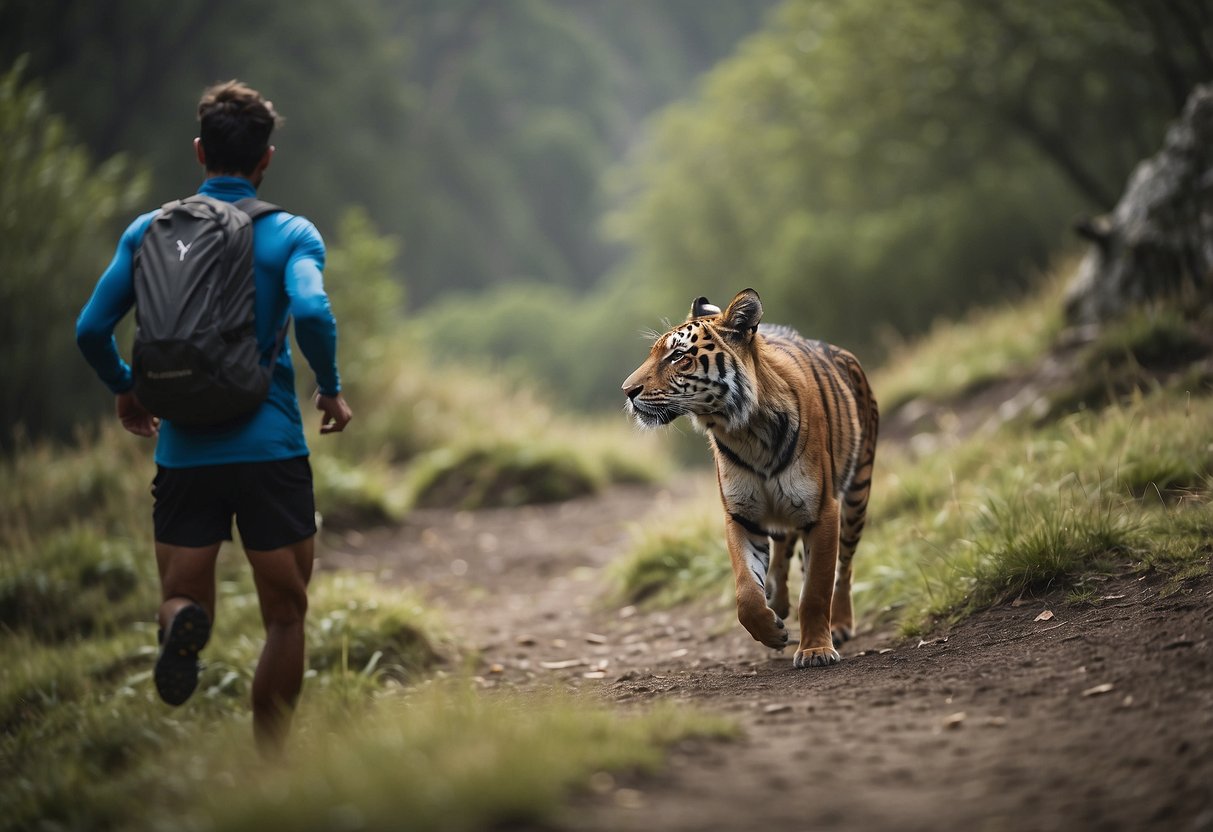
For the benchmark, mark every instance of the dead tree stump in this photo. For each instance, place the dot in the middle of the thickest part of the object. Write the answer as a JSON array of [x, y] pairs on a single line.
[[1158, 241]]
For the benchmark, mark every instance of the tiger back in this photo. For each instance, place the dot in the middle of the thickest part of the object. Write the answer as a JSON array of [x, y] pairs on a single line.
[[792, 424]]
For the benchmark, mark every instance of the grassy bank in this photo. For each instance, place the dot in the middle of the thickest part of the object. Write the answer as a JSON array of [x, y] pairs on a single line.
[[381, 740], [1117, 474]]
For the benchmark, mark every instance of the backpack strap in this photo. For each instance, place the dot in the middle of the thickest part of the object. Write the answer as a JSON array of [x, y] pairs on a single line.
[[259, 208], [255, 207]]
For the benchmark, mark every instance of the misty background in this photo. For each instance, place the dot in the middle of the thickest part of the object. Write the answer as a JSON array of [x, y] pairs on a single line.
[[526, 186]]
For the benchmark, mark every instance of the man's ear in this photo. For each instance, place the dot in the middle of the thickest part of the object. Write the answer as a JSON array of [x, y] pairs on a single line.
[[199, 152], [700, 308], [265, 160], [743, 315]]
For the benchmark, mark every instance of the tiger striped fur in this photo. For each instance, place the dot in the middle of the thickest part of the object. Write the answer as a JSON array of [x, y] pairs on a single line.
[[792, 424]]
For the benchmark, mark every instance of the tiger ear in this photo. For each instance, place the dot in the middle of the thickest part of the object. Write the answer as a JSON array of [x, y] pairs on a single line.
[[743, 314], [700, 308]]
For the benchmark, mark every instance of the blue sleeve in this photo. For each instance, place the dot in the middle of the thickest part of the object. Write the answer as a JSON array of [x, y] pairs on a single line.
[[112, 298], [315, 326]]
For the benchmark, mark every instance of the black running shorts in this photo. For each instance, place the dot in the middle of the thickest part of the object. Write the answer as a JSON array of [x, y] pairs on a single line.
[[272, 502]]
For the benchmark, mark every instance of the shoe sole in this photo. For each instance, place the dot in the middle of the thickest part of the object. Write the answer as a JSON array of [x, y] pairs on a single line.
[[176, 673]]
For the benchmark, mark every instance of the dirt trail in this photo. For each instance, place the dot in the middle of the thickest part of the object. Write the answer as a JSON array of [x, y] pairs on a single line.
[[1100, 718]]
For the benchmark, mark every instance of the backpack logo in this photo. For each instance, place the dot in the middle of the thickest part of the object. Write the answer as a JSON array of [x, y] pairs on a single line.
[[183, 249]]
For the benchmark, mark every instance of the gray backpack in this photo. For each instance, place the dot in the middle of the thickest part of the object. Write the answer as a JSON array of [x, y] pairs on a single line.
[[195, 358]]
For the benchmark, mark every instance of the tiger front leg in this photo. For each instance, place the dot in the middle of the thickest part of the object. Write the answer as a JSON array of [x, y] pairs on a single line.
[[816, 646], [751, 558]]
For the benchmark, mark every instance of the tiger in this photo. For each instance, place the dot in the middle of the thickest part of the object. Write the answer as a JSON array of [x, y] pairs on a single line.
[[792, 424]]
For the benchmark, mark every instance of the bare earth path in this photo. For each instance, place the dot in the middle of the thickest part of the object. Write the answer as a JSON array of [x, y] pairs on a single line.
[[1098, 718]]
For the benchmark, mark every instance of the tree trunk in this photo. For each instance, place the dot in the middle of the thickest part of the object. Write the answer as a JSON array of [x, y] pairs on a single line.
[[1158, 241]]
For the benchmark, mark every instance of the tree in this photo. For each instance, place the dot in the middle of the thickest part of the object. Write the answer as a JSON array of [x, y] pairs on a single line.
[[474, 131], [869, 165], [57, 213]]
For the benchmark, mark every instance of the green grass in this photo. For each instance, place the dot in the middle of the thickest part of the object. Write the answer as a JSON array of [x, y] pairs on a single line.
[[444, 758], [677, 559], [955, 358], [86, 745], [453, 437], [1154, 347]]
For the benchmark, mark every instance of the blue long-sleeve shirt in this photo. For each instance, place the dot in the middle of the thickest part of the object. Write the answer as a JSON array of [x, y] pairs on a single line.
[[288, 264]]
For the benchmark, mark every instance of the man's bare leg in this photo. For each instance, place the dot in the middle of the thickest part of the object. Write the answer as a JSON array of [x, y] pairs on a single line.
[[281, 576], [187, 609]]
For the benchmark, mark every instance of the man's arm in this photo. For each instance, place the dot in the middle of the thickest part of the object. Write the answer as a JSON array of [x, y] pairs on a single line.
[[112, 298], [315, 326]]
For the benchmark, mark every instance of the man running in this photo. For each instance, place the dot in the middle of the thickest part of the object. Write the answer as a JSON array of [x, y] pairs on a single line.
[[256, 470]]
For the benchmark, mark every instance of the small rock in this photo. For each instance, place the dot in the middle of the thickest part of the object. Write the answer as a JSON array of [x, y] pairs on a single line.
[[629, 799], [778, 708], [595, 638], [1099, 690], [496, 668], [1044, 616]]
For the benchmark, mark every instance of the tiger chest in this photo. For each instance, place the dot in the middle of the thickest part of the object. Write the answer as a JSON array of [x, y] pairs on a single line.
[[786, 502]]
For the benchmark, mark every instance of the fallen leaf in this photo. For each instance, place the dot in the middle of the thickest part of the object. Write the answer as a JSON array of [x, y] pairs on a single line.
[[1111, 597], [954, 721], [562, 665], [595, 638], [1098, 690], [1044, 616], [777, 708], [594, 674]]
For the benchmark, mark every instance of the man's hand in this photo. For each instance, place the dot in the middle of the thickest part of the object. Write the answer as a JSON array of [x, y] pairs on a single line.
[[134, 416], [337, 413]]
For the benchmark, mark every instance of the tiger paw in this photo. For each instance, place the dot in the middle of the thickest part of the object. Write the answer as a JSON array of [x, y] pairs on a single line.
[[815, 657], [779, 605], [841, 635], [765, 626]]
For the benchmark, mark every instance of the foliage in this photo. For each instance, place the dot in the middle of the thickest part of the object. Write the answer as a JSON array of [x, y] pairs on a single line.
[[932, 195], [869, 169], [576, 348], [57, 208], [477, 131], [469, 436]]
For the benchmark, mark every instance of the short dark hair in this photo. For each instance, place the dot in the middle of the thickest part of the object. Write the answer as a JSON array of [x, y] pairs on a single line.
[[236, 126]]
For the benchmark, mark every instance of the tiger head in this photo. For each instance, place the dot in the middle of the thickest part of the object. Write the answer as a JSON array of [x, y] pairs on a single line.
[[702, 368]]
